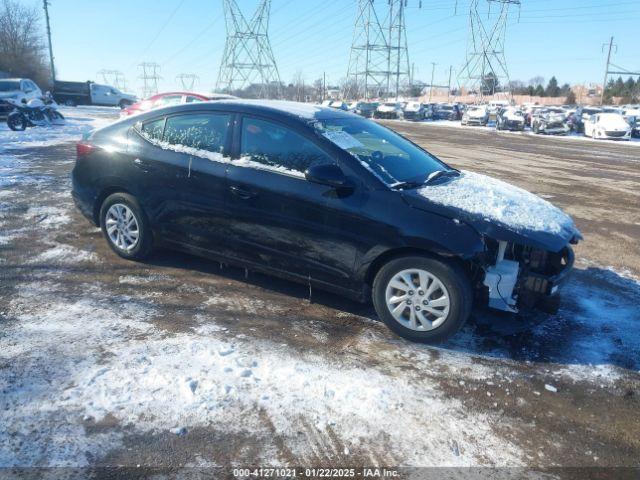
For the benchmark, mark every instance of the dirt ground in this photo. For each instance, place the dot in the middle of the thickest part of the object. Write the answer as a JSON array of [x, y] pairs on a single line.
[[96, 350]]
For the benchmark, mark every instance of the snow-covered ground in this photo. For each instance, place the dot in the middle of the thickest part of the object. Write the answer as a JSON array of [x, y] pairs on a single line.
[[78, 120], [634, 142], [105, 361]]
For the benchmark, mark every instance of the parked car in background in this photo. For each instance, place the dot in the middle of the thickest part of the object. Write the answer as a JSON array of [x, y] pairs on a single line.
[[366, 109], [15, 90], [632, 116], [389, 110], [72, 94], [582, 115], [611, 126], [171, 98], [447, 111], [414, 111], [510, 118], [329, 199], [339, 105], [550, 121], [476, 115]]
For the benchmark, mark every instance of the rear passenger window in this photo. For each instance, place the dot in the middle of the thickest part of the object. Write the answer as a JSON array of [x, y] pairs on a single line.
[[276, 146], [200, 131], [154, 129]]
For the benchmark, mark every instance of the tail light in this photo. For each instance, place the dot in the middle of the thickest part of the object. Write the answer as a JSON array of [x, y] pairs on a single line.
[[83, 149]]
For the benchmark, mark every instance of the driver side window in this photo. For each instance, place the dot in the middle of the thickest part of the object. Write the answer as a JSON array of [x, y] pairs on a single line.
[[274, 145]]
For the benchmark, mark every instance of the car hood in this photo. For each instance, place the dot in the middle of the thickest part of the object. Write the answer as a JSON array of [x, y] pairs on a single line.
[[387, 108], [613, 124], [514, 117], [10, 94], [477, 113], [498, 210]]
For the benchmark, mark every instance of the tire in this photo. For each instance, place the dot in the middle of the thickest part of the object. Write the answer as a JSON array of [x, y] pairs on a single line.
[[17, 122], [124, 104], [457, 289], [123, 202], [70, 103]]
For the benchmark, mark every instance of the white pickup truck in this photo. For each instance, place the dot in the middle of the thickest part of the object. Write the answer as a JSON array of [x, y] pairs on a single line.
[[90, 93]]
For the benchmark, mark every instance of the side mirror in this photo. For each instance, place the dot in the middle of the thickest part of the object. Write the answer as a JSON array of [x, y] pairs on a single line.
[[330, 175]]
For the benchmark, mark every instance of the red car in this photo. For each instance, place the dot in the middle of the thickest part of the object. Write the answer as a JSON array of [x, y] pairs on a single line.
[[170, 98]]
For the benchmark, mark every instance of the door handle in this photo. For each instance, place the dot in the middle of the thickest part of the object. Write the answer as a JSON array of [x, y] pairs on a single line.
[[242, 193]]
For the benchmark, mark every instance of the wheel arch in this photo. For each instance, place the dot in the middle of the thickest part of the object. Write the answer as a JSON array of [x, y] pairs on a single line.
[[388, 255], [102, 196]]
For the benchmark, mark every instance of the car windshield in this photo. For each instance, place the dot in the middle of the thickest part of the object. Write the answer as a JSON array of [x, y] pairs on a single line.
[[390, 157], [9, 85]]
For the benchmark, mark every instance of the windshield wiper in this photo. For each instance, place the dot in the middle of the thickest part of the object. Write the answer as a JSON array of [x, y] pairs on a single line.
[[406, 185], [440, 174]]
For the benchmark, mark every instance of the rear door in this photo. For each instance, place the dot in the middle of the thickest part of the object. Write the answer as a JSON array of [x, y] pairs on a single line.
[[201, 220], [278, 218], [158, 174]]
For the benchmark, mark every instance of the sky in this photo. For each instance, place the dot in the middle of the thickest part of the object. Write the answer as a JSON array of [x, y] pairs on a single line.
[[545, 37]]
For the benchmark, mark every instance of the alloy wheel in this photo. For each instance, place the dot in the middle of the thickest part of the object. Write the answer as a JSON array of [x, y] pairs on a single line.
[[122, 227], [418, 300]]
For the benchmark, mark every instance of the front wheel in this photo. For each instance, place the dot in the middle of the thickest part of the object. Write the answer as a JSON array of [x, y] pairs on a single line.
[[422, 299], [126, 227]]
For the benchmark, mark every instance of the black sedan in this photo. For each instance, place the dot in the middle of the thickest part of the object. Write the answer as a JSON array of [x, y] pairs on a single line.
[[327, 198]]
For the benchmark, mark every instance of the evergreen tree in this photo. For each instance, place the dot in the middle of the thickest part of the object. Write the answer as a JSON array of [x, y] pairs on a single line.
[[552, 88], [571, 98], [539, 91]]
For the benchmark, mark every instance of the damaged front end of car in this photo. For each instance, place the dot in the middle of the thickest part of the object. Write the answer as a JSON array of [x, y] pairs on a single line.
[[513, 277]]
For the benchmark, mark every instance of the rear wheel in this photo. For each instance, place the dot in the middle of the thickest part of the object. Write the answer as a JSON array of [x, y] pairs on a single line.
[[422, 299], [70, 103], [125, 227]]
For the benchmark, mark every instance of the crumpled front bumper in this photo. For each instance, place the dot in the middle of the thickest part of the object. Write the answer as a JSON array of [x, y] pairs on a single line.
[[542, 291]]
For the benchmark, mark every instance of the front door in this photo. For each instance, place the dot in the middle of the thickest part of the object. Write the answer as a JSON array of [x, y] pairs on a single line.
[[278, 218]]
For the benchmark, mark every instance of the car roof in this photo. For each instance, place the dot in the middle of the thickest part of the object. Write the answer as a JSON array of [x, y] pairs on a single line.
[[292, 110]]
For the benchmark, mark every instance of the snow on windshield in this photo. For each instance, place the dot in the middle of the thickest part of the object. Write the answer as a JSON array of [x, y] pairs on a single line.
[[500, 202]]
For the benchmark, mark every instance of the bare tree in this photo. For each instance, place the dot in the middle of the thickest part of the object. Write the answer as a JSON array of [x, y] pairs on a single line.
[[22, 52]]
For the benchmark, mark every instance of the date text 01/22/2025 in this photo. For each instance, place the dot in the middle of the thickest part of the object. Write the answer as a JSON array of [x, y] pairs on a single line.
[[315, 473]]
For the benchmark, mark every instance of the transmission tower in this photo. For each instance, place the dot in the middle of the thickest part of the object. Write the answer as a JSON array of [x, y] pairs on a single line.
[[486, 66], [187, 80], [150, 77], [248, 58], [113, 77], [379, 61]]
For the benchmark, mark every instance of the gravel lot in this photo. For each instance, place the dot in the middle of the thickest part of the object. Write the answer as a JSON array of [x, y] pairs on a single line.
[[179, 362]]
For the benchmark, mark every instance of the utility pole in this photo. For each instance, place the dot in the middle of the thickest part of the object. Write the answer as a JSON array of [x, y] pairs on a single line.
[[150, 76], [433, 71], [606, 70], [187, 81], [485, 48], [248, 57], [449, 84], [324, 85], [46, 16], [379, 51]]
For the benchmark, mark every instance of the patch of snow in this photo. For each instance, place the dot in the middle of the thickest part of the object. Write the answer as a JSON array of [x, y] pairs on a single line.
[[65, 254], [91, 356], [501, 202], [48, 216], [76, 125], [550, 388]]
